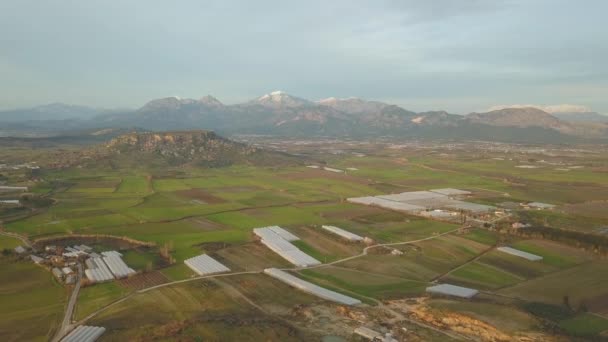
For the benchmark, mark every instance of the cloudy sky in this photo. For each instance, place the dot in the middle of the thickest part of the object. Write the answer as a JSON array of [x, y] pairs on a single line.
[[460, 55]]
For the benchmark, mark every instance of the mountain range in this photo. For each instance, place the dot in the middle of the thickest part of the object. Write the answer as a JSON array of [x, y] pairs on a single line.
[[278, 113]]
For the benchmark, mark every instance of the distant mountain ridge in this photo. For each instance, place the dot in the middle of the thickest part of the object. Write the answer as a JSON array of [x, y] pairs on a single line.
[[282, 114], [591, 117], [52, 111]]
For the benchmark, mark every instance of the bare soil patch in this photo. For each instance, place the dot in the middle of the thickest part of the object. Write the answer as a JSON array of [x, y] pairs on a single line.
[[143, 280]]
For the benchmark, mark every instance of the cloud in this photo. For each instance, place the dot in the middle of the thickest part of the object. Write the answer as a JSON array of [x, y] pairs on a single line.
[[560, 108]]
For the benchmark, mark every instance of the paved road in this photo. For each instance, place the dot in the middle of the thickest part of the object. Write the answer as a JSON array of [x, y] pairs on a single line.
[[66, 324]]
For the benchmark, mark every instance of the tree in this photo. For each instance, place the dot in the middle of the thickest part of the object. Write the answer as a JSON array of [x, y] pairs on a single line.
[[566, 301]]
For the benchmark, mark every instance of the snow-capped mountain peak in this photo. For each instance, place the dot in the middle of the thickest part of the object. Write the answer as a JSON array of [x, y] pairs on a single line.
[[280, 98]]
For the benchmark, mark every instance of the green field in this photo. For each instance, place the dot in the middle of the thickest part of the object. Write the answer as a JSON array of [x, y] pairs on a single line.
[[482, 276], [364, 283], [189, 210], [32, 302], [585, 325], [193, 310], [9, 242], [581, 284], [92, 298]]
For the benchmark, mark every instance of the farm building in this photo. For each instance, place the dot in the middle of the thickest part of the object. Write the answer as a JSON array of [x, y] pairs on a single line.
[[419, 202], [57, 273], [67, 270], [275, 238], [312, 166], [387, 204], [97, 271], [439, 214], [83, 248], [10, 202], [204, 265], [117, 265], [411, 195], [368, 333], [471, 207], [452, 290], [540, 205], [333, 170], [36, 259], [110, 253], [343, 233], [70, 279], [521, 254], [6, 188], [310, 287], [20, 250], [84, 333], [451, 192]]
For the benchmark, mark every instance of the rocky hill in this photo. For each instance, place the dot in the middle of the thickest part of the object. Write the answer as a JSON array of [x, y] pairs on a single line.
[[517, 117], [203, 148]]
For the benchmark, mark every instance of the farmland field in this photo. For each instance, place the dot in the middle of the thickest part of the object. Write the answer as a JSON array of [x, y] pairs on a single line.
[[176, 213], [32, 302]]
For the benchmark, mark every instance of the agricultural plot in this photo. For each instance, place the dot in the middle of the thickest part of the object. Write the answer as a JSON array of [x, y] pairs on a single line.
[[585, 325], [143, 280], [8, 242], [250, 256], [507, 318], [364, 283], [270, 294], [311, 288], [585, 283], [421, 261], [554, 254], [92, 298], [32, 302], [189, 310], [517, 266], [481, 275], [135, 185]]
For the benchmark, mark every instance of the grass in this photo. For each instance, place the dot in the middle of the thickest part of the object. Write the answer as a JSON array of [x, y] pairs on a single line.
[[365, 284], [134, 184], [178, 271], [421, 261], [199, 310], [92, 298], [482, 236], [553, 254], [584, 325], [505, 317], [142, 260], [581, 284], [481, 275], [515, 265], [8, 242], [32, 302]]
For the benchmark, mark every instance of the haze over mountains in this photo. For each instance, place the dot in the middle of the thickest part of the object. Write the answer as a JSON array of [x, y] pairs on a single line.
[[282, 114]]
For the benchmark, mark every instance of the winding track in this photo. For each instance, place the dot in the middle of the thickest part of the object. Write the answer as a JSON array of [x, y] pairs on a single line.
[[362, 254]]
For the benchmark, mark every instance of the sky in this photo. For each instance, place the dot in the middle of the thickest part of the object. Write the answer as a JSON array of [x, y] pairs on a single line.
[[460, 55]]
